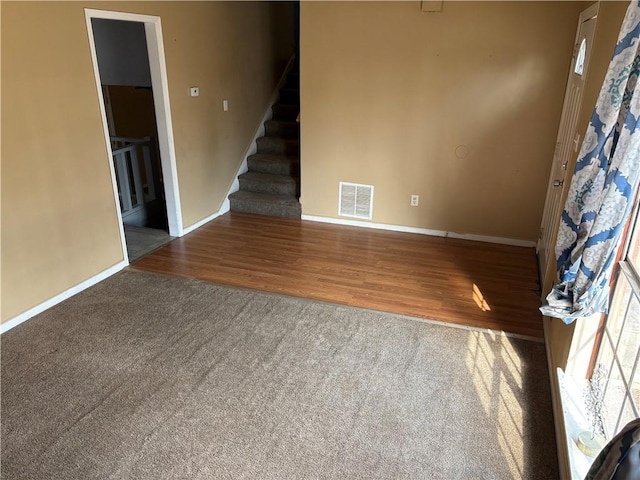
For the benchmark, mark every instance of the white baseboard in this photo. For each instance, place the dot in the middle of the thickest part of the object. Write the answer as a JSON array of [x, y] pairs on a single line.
[[422, 231], [17, 320], [224, 209]]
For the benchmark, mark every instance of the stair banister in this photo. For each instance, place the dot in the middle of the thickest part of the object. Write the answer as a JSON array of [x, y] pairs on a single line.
[[127, 165]]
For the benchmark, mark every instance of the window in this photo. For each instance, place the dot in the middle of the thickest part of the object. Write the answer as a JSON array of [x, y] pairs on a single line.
[[582, 53], [619, 350]]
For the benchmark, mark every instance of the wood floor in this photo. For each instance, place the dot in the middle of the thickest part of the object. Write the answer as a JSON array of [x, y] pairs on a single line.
[[470, 283]]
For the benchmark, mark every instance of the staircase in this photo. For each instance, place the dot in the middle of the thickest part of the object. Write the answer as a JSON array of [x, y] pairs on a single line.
[[271, 186]]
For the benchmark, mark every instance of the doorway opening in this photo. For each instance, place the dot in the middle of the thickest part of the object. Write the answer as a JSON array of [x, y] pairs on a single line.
[[128, 60]]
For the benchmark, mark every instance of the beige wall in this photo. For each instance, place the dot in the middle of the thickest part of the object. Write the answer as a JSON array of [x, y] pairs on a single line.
[[59, 223], [389, 93]]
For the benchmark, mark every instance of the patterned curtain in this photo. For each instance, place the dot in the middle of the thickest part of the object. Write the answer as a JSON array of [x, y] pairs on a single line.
[[603, 187]]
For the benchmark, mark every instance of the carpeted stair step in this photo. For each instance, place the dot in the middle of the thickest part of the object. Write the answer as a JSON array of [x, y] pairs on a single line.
[[290, 96], [274, 164], [282, 111], [282, 128], [267, 183], [278, 145], [271, 186], [265, 204]]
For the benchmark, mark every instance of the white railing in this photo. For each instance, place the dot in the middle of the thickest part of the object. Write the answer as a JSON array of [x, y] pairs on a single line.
[[136, 180]]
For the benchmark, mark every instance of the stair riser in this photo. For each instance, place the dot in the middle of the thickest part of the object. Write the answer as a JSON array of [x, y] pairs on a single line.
[[266, 187], [273, 168], [278, 146], [282, 129], [266, 208], [285, 112]]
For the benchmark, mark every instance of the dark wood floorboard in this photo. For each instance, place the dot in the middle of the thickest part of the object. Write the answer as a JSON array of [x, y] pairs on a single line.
[[457, 281]]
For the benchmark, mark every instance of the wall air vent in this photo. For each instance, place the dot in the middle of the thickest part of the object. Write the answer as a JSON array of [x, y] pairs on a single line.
[[356, 200]]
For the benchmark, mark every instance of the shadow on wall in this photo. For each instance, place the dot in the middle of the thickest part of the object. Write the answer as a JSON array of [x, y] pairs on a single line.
[[284, 18]]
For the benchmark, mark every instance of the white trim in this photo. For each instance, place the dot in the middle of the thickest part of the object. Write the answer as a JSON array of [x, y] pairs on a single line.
[[588, 14], [109, 111], [423, 231], [576, 421], [253, 146], [17, 320], [105, 130], [224, 209], [159, 82]]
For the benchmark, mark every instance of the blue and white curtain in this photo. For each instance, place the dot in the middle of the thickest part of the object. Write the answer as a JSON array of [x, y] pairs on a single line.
[[603, 187]]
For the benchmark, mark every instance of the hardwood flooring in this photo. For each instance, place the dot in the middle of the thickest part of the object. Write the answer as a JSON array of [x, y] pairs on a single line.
[[458, 281]]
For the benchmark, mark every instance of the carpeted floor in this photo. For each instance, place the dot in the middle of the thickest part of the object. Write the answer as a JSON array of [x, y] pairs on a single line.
[[152, 377]]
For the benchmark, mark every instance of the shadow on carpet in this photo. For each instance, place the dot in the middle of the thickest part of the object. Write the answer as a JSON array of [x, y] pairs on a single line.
[[151, 377]]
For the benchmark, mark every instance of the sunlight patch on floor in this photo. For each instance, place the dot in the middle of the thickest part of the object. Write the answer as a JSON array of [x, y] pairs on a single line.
[[479, 358], [478, 297], [497, 392]]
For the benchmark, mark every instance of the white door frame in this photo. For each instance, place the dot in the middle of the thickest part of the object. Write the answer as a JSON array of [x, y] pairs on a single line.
[[160, 86]]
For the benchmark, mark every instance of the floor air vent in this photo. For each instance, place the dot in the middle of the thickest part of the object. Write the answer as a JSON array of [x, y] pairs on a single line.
[[356, 200]]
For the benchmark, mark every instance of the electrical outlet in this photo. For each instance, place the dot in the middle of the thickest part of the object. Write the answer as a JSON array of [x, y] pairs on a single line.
[[414, 200], [225, 105]]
